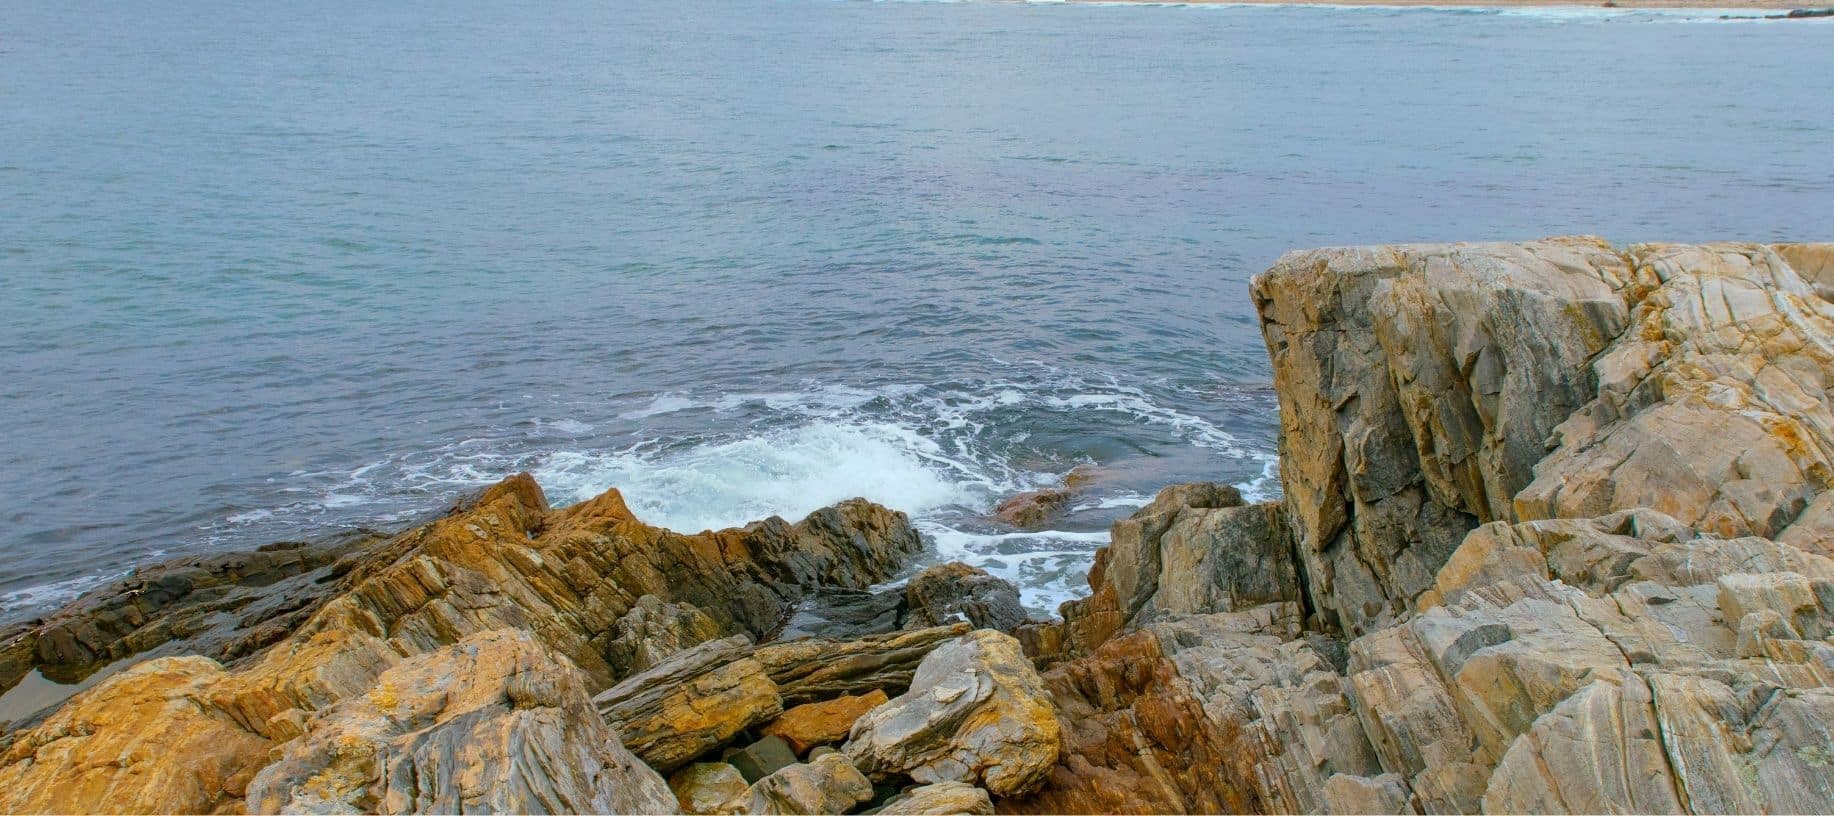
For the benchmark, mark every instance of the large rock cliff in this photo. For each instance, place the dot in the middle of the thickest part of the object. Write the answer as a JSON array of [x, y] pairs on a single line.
[[1554, 537]]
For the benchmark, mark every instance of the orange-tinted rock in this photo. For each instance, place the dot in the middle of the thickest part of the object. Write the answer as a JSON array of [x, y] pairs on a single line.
[[565, 577], [824, 723], [1136, 740], [1032, 509]]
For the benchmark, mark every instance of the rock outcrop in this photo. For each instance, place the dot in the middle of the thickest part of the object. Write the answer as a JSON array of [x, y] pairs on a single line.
[[572, 581], [1556, 519], [976, 712]]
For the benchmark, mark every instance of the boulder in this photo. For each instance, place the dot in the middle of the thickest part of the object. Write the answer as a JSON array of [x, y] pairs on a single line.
[[812, 724], [691, 702], [976, 712], [713, 788], [828, 784], [955, 591], [496, 722], [940, 799], [1194, 549]]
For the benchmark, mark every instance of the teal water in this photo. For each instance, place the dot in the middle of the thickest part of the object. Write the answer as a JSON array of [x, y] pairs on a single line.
[[271, 270]]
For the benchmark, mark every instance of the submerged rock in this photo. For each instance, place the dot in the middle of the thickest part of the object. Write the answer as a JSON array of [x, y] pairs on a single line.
[[976, 712]]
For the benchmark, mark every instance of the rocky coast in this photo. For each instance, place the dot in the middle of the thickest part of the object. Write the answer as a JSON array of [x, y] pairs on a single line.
[[1554, 535]]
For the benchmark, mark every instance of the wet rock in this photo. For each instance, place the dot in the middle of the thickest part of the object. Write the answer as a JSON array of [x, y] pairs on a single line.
[[842, 614], [828, 784], [691, 702], [1033, 509], [976, 712], [955, 591], [814, 724], [940, 799], [762, 758], [496, 722], [219, 606], [710, 788]]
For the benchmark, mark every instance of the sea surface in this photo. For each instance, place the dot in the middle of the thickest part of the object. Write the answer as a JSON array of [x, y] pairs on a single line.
[[272, 270]]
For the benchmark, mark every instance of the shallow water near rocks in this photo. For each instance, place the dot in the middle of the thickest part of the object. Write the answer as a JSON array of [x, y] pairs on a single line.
[[272, 271]]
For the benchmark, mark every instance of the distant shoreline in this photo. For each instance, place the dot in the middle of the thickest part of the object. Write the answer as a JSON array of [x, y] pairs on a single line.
[[1716, 5]]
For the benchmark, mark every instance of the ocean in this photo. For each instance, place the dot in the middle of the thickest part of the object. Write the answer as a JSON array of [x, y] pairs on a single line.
[[275, 270]]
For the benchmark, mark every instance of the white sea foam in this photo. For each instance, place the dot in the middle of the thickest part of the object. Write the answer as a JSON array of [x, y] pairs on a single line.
[[788, 473]]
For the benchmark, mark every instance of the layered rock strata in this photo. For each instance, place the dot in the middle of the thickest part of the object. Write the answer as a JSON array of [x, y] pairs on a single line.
[[1555, 517], [567, 581]]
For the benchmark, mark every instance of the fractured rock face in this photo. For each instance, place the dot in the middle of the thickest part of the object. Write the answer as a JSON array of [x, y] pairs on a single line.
[[1418, 386], [976, 712], [1714, 407], [494, 723], [182, 758]]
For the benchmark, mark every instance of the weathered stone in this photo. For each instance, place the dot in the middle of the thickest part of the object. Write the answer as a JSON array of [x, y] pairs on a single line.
[[503, 561], [955, 591], [180, 757], [691, 702], [1418, 385], [495, 723], [818, 669], [829, 784], [652, 630], [1714, 407], [812, 724], [710, 788], [762, 758], [941, 799], [1194, 549], [1135, 740], [976, 711]]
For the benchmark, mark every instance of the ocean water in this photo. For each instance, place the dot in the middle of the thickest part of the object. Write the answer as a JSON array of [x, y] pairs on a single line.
[[274, 270]]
